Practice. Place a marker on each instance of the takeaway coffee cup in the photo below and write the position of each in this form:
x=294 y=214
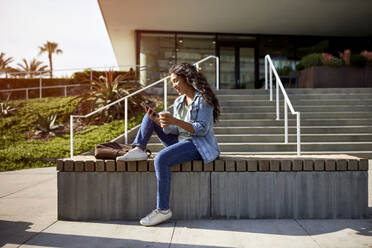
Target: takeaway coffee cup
x=162 y=114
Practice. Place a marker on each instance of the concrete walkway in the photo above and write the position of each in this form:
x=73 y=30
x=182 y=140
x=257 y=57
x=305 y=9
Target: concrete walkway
x=28 y=218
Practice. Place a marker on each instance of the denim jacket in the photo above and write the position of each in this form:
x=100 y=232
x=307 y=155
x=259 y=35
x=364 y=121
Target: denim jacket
x=200 y=115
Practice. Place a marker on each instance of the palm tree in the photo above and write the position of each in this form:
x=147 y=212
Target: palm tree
x=4 y=62
x=32 y=68
x=50 y=48
x=14 y=73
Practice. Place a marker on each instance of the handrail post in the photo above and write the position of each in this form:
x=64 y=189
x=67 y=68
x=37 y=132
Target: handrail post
x=71 y=136
x=197 y=66
x=277 y=99
x=165 y=94
x=285 y=122
x=298 y=135
x=266 y=73
x=126 y=120
x=65 y=90
x=40 y=86
x=271 y=83
x=218 y=73
x=26 y=93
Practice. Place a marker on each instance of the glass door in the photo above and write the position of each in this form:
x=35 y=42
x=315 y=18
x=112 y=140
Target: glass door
x=237 y=66
x=227 y=68
x=246 y=68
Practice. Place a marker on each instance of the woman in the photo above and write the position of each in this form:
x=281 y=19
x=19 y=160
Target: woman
x=187 y=135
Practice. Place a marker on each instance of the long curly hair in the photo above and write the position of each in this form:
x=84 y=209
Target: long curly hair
x=198 y=81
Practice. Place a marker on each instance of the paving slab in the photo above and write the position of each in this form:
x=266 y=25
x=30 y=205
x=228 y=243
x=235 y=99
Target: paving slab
x=14 y=181
x=15 y=230
x=240 y=233
x=340 y=233
x=103 y=234
x=28 y=204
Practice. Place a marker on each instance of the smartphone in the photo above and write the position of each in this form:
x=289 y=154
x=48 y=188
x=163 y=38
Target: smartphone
x=152 y=112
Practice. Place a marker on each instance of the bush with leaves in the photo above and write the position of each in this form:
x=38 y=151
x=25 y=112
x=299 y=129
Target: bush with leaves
x=299 y=66
x=314 y=59
x=46 y=124
x=357 y=60
x=6 y=108
x=108 y=89
x=285 y=71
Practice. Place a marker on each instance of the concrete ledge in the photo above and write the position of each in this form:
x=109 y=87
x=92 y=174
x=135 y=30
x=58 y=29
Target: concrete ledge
x=196 y=195
x=230 y=187
x=223 y=164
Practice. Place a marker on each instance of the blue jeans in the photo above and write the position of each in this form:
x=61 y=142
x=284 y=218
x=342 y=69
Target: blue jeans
x=174 y=153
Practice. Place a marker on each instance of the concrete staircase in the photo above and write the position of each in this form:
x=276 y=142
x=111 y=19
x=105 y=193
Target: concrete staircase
x=333 y=121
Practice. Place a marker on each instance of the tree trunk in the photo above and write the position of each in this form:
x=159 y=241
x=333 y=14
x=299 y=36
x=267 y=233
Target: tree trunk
x=50 y=65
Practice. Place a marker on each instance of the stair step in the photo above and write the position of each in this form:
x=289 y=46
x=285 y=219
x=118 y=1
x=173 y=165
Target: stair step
x=304 y=115
x=244 y=138
x=360 y=154
x=293 y=130
x=297 y=103
x=277 y=147
x=294 y=91
x=265 y=109
x=292 y=122
x=296 y=96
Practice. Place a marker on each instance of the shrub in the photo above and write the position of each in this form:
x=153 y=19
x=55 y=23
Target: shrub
x=84 y=76
x=46 y=124
x=285 y=71
x=105 y=90
x=6 y=108
x=335 y=62
x=314 y=59
x=358 y=60
x=345 y=56
x=299 y=67
x=367 y=55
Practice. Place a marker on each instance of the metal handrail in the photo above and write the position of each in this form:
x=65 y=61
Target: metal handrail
x=287 y=102
x=125 y=98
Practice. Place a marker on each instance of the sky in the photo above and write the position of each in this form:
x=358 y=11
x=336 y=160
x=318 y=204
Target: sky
x=76 y=25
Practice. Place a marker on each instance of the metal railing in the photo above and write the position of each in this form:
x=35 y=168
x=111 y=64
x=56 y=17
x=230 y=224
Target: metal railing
x=125 y=99
x=44 y=73
x=44 y=87
x=287 y=102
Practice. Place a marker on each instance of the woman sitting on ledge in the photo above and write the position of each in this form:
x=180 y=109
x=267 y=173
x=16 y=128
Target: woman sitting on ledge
x=187 y=135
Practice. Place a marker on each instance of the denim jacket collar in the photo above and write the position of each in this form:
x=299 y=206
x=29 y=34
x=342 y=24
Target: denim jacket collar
x=181 y=99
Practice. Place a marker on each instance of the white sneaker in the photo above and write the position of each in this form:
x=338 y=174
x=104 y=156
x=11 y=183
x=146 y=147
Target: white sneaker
x=135 y=154
x=155 y=217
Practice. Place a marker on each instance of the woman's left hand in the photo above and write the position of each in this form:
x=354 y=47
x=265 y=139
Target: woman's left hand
x=166 y=119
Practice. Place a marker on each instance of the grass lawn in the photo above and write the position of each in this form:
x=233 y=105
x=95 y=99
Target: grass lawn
x=19 y=151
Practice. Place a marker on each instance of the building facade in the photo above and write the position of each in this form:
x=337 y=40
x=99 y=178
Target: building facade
x=157 y=34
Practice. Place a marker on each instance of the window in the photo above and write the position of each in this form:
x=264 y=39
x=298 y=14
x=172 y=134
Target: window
x=192 y=48
x=157 y=54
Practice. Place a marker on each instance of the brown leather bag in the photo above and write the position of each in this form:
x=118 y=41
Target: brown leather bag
x=111 y=150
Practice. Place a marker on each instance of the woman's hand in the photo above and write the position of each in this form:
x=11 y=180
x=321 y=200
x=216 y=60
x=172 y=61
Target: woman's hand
x=152 y=114
x=166 y=119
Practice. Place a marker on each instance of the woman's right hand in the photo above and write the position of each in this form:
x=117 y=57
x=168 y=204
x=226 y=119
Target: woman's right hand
x=152 y=114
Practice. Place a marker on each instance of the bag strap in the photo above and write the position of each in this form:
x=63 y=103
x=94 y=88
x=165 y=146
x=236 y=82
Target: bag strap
x=148 y=151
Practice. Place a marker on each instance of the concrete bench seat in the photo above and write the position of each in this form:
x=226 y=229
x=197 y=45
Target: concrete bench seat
x=271 y=186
